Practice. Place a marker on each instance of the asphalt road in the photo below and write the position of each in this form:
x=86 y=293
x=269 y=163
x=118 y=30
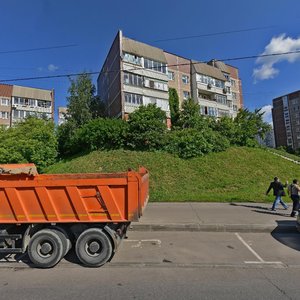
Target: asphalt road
x=170 y=265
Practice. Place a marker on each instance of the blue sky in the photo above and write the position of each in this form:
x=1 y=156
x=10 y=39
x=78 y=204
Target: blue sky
x=91 y=25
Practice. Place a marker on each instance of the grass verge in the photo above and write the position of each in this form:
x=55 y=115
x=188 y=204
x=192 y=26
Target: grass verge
x=238 y=174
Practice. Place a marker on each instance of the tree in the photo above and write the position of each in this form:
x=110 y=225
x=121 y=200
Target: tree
x=189 y=114
x=146 y=128
x=227 y=128
x=249 y=125
x=82 y=103
x=102 y=134
x=32 y=140
x=174 y=106
x=82 y=107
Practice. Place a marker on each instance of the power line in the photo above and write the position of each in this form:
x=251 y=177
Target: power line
x=213 y=34
x=38 y=49
x=139 y=68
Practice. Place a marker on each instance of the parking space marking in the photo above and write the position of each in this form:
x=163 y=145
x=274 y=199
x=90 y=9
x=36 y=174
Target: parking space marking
x=260 y=259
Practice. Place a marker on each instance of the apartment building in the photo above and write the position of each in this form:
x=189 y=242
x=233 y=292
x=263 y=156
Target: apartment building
x=217 y=88
x=5 y=104
x=62 y=112
x=286 y=120
x=17 y=102
x=179 y=72
x=135 y=74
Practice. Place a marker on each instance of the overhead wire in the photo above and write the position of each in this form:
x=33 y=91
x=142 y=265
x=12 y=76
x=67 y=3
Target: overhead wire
x=38 y=49
x=213 y=34
x=139 y=68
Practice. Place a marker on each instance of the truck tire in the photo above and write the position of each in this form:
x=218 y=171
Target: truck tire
x=67 y=245
x=45 y=248
x=93 y=247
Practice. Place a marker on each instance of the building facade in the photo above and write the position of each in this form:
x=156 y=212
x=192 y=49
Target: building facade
x=286 y=120
x=179 y=75
x=217 y=88
x=18 y=102
x=62 y=113
x=135 y=74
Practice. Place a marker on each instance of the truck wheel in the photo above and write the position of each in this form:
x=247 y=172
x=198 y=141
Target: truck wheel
x=67 y=245
x=93 y=247
x=45 y=248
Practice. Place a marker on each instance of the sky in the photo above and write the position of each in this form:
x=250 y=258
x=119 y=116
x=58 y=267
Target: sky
x=78 y=35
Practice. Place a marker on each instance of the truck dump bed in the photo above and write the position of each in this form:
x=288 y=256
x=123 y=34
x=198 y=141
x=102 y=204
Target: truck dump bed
x=28 y=197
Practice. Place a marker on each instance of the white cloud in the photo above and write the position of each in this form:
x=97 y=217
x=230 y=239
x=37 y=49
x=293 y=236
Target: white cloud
x=267 y=117
x=52 y=68
x=279 y=44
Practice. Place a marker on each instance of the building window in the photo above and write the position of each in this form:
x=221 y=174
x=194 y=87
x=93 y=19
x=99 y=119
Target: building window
x=4 y=102
x=133 y=59
x=219 y=83
x=157 y=85
x=134 y=99
x=186 y=95
x=209 y=80
x=212 y=111
x=155 y=65
x=171 y=75
x=227 y=77
x=233 y=83
x=42 y=103
x=208 y=111
x=234 y=107
x=4 y=115
x=221 y=99
x=30 y=102
x=185 y=79
x=202 y=78
x=234 y=96
x=161 y=103
x=133 y=79
x=223 y=113
x=228 y=91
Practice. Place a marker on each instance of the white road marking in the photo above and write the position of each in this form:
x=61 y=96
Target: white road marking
x=260 y=260
x=140 y=242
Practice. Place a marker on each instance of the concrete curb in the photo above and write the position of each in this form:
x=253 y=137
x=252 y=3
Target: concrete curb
x=252 y=228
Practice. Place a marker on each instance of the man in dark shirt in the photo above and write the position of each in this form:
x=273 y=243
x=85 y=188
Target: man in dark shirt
x=278 y=192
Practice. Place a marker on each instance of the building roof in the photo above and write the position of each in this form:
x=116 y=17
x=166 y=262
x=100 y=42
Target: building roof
x=144 y=50
x=220 y=65
x=32 y=93
x=205 y=69
x=6 y=90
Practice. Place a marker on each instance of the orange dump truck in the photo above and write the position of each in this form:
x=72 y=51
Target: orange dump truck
x=46 y=215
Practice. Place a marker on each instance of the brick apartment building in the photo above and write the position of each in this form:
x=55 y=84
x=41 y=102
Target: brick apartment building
x=135 y=74
x=17 y=102
x=286 y=120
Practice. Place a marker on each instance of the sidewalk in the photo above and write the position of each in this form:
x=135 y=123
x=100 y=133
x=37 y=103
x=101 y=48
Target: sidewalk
x=231 y=217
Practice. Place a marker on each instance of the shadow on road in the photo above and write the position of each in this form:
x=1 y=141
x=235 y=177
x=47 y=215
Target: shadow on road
x=273 y=213
x=289 y=237
x=264 y=210
x=250 y=206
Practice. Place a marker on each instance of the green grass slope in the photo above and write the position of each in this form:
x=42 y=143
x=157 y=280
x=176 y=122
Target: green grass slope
x=238 y=174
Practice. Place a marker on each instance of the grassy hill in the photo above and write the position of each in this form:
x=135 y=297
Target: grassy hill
x=239 y=174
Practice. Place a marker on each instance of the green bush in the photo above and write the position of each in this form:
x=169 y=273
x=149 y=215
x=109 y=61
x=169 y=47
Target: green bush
x=67 y=138
x=102 y=134
x=190 y=142
x=146 y=128
x=31 y=141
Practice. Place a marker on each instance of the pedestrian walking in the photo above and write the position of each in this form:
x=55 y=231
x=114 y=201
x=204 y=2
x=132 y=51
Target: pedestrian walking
x=294 y=192
x=278 y=192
